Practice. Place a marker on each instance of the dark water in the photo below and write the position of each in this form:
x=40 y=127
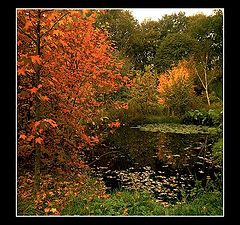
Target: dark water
x=165 y=164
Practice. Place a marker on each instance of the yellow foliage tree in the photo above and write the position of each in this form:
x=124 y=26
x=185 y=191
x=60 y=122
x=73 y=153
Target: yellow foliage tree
x=175 y=88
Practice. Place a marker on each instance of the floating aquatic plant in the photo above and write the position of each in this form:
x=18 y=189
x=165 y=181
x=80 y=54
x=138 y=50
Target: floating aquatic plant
x=178 y=128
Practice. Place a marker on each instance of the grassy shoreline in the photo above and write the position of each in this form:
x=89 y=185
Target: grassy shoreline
x=136 y=203
x=88 y=196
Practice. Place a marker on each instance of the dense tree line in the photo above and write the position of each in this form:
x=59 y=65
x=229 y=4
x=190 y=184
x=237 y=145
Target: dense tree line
x=163 y=43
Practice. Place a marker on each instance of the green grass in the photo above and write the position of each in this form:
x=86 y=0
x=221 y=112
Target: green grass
x=207 y=204
x=26 y=207
x=143 y=204
x=119 y=203
x=218 y=151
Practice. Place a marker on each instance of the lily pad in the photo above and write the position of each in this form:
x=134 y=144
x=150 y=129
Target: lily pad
x=178 y=128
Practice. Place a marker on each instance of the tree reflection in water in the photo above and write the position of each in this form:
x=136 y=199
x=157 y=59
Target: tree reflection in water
x=161 y=163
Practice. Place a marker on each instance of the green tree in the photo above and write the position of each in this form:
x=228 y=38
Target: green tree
x=150 y=36
x=208 y=54
x=174 y=23
x=121 y=26
x=143 y=92
x=145 y=42
x=174 y=47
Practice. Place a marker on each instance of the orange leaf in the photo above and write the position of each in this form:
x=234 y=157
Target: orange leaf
x=21 y=71
x=45 y=98
x=52 y=122
x=40 y=130
x=19 y=43
x=23 y=136
x=39 y=140
x=63 y=43
x=66 y=110
x=46 y=210
x=36 y=124
x=33 y=90
x=36 y=58
x=30 y=137
x=57 y=32
x=114 y=124
x=50 y=82
x=27 y=25
x=85 y=138
x=125 y=105
x=95 y=139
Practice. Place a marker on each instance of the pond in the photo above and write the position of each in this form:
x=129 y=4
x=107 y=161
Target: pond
x=165 y=164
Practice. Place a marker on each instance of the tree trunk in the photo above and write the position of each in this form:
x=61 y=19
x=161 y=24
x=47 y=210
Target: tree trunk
x=37 y=146
x=207 y=95
x=37 y=170
x=205 y=82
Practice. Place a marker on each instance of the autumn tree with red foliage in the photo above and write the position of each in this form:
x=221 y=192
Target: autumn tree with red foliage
x=66 y=76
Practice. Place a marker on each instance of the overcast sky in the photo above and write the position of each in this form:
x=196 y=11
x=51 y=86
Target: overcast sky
x=156 y=13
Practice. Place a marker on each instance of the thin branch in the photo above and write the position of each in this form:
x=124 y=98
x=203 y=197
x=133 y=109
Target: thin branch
x=212 y=78
x=101 y=157
x=54 y=25
x=27 y=34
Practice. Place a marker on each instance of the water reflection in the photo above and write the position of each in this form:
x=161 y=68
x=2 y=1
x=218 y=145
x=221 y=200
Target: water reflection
x=164 y=164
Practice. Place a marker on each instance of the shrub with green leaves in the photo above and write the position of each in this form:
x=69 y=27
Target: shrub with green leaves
x=212 y=117
x=218 y=151
x=127 y=203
